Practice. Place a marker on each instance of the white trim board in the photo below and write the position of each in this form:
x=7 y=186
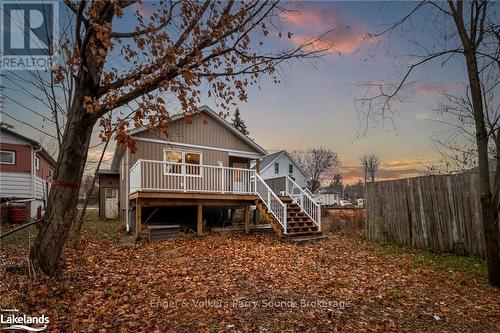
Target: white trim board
x=231 y=152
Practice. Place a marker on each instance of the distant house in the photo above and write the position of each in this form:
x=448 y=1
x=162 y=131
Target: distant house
x=26 y=170
x=274 y=167
x=327 y=196
x=197 y=176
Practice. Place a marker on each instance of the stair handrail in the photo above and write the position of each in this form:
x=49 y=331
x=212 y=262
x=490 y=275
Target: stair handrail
x=270 y=197
x=306 y=203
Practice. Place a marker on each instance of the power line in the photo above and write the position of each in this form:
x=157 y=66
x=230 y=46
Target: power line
x=29 y=109
x=27 y=124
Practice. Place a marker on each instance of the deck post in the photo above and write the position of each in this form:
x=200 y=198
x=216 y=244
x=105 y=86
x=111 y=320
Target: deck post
x=247 y=219
x=138 y=221
x=199 y=224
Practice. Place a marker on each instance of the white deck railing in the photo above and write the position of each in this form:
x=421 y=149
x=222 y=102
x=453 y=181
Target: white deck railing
x=272 y=201
x=149 y=175
x=308 y=205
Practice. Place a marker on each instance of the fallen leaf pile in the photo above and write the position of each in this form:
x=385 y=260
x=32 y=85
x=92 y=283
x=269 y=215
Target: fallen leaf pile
x=250 y=283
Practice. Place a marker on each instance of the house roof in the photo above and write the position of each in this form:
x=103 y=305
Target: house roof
x=269 y=159
x=328 y=190
x=210 y=112
x=35 y=144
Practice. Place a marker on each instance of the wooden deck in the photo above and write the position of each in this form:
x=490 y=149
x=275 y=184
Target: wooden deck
x=166 y=198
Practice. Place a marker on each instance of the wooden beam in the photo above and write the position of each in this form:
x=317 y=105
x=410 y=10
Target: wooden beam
x=257 y=166
x=189 y=202
x=138 y=220
x=247 y=219
x=199 y=224
x=194 y=196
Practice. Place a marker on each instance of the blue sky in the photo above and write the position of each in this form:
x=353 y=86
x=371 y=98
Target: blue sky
x=314 y=105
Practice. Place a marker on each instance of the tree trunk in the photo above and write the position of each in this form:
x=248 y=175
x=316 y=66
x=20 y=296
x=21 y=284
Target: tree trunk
x=489 y=210
x=63 y=197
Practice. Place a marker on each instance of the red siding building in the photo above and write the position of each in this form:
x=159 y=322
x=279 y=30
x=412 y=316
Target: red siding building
x=26 y=170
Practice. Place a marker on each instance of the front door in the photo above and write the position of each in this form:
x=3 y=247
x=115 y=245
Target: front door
x=240 y=180
x=239 y=184
x=111 y=203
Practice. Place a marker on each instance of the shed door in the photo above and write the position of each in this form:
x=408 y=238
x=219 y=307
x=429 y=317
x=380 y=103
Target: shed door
x=111 y=203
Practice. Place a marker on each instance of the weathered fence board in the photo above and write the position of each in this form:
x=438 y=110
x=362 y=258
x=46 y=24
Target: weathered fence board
x=440 y=213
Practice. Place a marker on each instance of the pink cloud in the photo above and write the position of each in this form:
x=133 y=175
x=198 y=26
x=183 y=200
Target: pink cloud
x=143 y=9
x=312 y=22
x=312 y=19
x=436 y=88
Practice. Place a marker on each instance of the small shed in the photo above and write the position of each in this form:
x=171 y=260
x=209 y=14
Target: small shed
x=109 y=184
x=327 y=196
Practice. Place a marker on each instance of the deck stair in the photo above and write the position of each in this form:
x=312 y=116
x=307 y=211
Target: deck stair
x=294 y=215
x=300 y=227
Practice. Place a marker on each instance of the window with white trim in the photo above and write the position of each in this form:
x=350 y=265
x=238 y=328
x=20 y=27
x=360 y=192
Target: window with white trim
x=180 y=162
x=7 y=157
x=51 y=173
x=290 y=169
x=37 y=163
x=276 y=168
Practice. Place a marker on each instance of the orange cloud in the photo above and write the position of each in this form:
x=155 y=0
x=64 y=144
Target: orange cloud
x=436 y=88
x=395 y=169
x=332 y=42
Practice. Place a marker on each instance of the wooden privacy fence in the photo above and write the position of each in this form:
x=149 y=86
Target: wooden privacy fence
x=441 y=213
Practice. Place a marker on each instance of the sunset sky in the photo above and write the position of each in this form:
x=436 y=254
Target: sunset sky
x=314 y=105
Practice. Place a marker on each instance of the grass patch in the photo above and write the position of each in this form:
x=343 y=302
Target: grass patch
x=469 y=267
x=95 y=228
x=395 y=294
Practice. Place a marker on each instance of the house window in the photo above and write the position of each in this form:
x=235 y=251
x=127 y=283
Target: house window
x=176 y=159
x=193 y=163
x=290 y=168
x=110 y=193
x=37 y=163
x=7 y=157
x=172 y=156
x=276 y=168
x=51 y=173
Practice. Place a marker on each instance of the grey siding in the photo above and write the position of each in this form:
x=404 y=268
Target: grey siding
x=204 y=130
x=284 y=161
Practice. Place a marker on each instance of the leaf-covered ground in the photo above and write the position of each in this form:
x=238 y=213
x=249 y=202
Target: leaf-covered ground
x=258 y=284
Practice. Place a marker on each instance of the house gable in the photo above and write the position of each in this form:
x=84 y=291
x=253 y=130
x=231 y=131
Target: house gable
x=284 y=160
x=207 y=129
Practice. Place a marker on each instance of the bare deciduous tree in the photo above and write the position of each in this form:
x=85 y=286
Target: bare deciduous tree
x=181 y=49
x=317 y=163
x=469 y=30
x=370 y=164
x=456 y=144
